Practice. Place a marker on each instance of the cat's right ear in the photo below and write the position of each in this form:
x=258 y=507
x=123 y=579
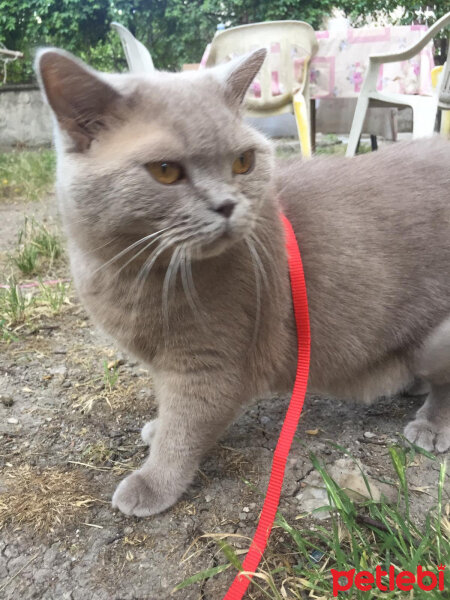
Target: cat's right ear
x=81 y=101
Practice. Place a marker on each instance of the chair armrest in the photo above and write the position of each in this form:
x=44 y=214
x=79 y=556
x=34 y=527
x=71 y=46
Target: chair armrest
x=413 y=50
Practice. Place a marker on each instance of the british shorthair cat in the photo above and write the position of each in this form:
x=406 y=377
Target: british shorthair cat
x=171 y=205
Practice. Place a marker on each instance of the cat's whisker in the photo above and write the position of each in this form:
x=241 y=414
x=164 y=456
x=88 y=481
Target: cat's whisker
x=169 y=281
x=151 y=260
x=259 y=262
x=88 y=252
x=188 y=285
x=255 y=238
x=156 y=239
x=129 y=248
x=255 y=263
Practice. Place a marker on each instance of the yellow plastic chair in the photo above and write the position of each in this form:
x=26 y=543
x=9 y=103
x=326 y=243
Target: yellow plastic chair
x=282 y=84
x=424 y=107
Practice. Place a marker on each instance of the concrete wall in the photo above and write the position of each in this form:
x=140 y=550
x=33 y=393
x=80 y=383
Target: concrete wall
x=24 y=118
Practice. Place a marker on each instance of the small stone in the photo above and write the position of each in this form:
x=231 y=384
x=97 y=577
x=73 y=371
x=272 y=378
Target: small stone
x=246 y=509
x=369 y=435
x=243 y=516
x=67 y=384
x=128 y=530
x=7 y=400
x=12 y=420
x=208 y=498
x=252 y=505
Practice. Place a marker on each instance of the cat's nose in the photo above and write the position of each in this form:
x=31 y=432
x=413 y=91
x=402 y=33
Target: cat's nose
x=225 y=209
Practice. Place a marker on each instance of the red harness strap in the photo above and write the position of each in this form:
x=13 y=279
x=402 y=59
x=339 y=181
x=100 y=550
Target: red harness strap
x=270 y=507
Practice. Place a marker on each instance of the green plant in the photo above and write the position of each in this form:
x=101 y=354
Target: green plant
x=358 y=536
x=26 y=174
x=35 y=242
x=13 y=304
x=110 y=375
x=54 y=295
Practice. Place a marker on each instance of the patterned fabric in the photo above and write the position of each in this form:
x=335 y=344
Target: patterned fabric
x=339 y=67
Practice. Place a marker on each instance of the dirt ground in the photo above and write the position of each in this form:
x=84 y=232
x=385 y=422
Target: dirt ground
x=68 y=434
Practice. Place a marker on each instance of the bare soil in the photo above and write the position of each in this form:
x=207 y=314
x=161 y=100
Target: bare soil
x=67 y=437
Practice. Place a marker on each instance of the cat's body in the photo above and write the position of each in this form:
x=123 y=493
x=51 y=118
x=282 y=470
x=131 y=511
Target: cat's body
x=213 y=315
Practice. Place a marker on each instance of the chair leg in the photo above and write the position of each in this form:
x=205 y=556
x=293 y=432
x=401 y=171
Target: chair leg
x=302 y=119
x=358 y=120
x=445 y=123
x=423 y=123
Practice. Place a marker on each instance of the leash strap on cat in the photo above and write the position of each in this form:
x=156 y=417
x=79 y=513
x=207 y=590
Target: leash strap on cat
x=270 y=506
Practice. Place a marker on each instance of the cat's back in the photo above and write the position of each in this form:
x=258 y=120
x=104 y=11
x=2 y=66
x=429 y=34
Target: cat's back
x=400 y=193
x=393 y=178
x=374 y=234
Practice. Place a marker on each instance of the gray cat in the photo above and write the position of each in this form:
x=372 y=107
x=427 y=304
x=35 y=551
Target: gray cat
x=171 y=207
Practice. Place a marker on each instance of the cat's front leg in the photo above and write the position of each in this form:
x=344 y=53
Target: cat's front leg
x=193 y=412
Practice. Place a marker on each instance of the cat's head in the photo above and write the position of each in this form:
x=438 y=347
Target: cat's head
x=164 y=151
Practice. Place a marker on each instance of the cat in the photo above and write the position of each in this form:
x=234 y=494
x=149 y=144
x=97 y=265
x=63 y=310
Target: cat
x=171 y=205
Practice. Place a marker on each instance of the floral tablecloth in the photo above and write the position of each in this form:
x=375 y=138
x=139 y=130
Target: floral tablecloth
x=338 y=69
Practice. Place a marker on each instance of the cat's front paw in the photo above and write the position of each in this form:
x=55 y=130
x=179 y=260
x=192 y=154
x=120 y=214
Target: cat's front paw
x=430 y=436
x=135 y=496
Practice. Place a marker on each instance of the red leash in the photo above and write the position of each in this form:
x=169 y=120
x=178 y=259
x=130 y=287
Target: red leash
x=270 y=507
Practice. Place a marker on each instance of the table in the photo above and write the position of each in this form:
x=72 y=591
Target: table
x=338 y=69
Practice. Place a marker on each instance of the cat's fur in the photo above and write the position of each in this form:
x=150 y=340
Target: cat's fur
x=374 y=234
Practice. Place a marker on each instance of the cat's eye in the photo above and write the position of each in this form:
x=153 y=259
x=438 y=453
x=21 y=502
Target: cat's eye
x=244 y=162
x=165 y=172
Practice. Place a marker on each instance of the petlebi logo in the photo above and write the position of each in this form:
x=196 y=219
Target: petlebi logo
x=388 y=581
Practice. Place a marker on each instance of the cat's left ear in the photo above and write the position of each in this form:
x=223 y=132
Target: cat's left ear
x=238 y=74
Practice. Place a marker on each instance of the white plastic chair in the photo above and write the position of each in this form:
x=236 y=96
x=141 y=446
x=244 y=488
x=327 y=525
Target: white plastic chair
x=444 y=98
x=138 y=57
x=282 y=85
x=424 y=107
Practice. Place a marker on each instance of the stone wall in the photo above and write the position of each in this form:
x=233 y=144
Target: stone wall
x=24 y=117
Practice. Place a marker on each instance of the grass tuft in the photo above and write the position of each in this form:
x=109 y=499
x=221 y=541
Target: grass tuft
x=37 y=248
x=26 y=174
x=357 y=536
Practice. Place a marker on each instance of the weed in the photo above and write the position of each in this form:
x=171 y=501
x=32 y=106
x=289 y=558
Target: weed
x=358 y=537
x=110 y=375
x=27 y=175
x=54 y=296
x=14 y=304
x=36 y=247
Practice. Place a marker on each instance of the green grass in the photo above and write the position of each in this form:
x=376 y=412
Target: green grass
x=357 y=536
x=26 y=174
x=19 y=307
x=110 y=375
x=37 y=248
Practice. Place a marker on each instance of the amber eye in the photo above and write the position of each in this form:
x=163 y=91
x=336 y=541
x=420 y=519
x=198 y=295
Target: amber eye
x=165 y=172
x=244 y=162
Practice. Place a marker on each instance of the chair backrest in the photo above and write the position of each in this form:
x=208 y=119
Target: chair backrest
x=290 y=46
x=138 y=57
x=444 y=91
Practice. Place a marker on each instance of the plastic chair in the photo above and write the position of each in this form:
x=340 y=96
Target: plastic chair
x=282 y=85
x=444 y=98
x=424 y=107
x=138 y=57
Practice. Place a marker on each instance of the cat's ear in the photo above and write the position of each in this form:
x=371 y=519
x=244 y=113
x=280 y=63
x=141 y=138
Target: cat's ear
x=81 y=101
x=238 y=74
